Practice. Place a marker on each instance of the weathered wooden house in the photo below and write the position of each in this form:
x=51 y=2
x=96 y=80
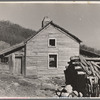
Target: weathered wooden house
x=46 y=53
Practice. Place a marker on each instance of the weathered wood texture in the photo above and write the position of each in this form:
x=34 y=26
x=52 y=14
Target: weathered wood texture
x=37 y=51
x=11 y=63
x=17 y=63
x=18 y=66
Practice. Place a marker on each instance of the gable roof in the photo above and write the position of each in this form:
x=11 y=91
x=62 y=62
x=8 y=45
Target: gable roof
x=68 y=33
x=12 y=49
x=57 y=26
x=22 y=44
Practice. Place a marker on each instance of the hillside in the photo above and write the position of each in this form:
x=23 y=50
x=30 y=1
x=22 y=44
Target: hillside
x=4 y=45
x=85 y=47
x=13 y=33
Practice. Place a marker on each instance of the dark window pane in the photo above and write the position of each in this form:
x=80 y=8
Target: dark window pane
x=52 y=60
x=4 y=60
x=52 y=42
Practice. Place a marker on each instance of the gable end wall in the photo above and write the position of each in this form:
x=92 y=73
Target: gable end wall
x=37 y=51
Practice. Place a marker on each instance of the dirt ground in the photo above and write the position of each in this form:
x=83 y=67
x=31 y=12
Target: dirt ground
x=33 y=86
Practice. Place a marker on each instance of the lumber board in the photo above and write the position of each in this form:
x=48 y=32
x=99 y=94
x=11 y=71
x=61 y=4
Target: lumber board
x=86 y=69
x=78 y=67
x=93 y=59
x=80 y=73
x=92 y=68
x=95 y=64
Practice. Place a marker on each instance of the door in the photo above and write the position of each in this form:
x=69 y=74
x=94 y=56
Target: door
x=18 y=66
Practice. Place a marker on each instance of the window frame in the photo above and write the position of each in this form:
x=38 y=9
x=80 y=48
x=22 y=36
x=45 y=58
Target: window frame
x=4 y=60
x=56 y=61
x=49 y=43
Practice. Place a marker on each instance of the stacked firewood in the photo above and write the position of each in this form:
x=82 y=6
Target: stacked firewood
x=89 y=68
x=91 y=71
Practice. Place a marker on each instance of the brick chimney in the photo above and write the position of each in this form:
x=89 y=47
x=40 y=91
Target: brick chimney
x=45 y=21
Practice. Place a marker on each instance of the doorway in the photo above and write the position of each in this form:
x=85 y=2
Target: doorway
x=18 y=66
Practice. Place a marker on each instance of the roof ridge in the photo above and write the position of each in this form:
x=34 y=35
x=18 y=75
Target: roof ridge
x=12 y=47
x=76 y=38
x=52 y=23
x=37 y=32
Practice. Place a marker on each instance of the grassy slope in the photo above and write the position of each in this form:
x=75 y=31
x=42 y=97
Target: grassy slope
x=13 y=33
x=17 y=86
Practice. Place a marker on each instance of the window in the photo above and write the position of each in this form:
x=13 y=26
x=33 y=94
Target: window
x=52 y=60
x=4 y=59
x=52 y=42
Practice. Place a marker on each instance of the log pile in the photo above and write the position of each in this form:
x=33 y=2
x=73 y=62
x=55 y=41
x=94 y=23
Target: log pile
x=90 y=70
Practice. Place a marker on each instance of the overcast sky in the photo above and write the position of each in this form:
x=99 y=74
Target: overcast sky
x=82 y=20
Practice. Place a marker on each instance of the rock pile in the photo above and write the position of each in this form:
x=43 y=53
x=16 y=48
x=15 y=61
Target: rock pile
x=68 y=91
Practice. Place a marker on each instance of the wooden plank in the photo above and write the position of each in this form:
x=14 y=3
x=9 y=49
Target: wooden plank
x=18 y=66
x=86 y=69
x=80 y=73
x=95 y=64
x=23 y=65
x=75 y=63
x=97 y=71
x=92 y=68
x=78 y=67
x=75 y=58
x=92 y=59
x=12 y=63
x=87 y=66
x=83 y=61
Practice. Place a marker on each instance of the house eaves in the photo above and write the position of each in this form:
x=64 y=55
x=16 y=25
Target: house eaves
x=57 y=26
x=12 y=49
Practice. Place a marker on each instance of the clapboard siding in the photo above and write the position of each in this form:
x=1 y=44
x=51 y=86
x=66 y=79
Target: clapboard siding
x=37 y=51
